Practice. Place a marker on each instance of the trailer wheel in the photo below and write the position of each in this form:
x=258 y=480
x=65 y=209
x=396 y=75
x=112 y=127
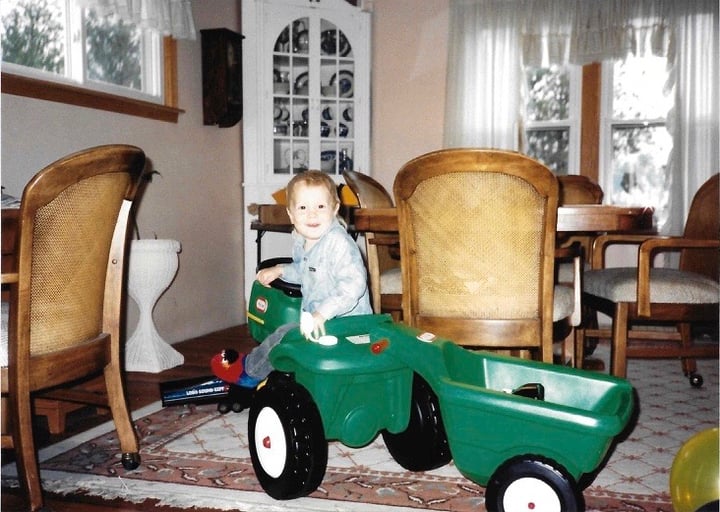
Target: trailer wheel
x=287 y=441
x=423 y=445
x=536 y=484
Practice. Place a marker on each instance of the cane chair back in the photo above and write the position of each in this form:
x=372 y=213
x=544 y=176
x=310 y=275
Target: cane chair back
x=477 y=240
x=574 y=190
x=703 y=223
x=66 y=296
x=382 y=249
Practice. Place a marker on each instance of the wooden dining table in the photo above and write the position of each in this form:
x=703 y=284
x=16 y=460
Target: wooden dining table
x=574 y=219
x=590 y=218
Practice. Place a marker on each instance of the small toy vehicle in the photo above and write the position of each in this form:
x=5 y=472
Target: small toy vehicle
x=525 y=430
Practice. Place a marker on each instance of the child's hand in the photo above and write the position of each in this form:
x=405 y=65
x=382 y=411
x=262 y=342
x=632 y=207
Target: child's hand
x=312 y=325
x=268 y=275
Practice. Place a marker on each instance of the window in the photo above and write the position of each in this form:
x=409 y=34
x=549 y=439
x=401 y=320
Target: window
x=632 y=136
x=551 y=116
x=67 y=48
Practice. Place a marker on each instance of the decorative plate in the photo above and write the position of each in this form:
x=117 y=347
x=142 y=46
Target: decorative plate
x=344 y=83
x=301 y=82
x=329 y=45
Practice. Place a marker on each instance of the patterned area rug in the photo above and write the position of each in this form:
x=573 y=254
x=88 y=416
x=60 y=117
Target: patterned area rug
x=194 y=456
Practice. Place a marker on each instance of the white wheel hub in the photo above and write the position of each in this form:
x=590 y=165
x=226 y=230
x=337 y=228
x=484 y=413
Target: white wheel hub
x=270 y=443
x=531 y=494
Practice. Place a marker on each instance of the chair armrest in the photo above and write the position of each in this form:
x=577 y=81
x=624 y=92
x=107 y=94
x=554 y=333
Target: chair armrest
x=568 y=252
x=385 y=240
x=9 y=277
x=647 y=251
x=602 y=242
x=392 y=242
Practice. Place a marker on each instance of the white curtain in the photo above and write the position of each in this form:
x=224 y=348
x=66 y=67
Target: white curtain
x=490 y=40
x=545 y=33
x=612 y=29
x=695 y=121
x=483 y=93
x=168 y=17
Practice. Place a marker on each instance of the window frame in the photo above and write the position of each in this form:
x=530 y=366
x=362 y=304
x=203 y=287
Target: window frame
x=608 y=122
x=572 y=123
x=593 y=151
x=590 y=121
x=168 y=111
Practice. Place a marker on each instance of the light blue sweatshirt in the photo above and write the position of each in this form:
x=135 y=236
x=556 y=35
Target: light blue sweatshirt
x=331 y=274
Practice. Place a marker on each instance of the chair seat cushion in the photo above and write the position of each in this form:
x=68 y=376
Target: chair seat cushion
x=566 y=271
x=667 y=285
x=391 y=281
x=563 y=302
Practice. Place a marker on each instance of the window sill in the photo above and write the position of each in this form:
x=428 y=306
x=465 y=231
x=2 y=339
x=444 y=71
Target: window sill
x=51 y=91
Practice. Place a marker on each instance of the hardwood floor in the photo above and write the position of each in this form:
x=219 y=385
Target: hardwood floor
x=142 y=389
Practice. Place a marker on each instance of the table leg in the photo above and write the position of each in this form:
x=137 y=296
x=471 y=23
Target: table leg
x=258 y=244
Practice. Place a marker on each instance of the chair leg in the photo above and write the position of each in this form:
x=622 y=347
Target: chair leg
x=579 y=355
x=689 y=364
x=396 y=315
x=590 y=320
x=618 y=349
x=24 y=444
x=121 y=417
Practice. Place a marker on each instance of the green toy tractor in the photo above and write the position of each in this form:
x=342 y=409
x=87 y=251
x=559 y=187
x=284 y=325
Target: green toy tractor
x=530 y=432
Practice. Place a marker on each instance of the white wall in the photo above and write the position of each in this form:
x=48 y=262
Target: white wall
x=409 y=62
x=197 y=200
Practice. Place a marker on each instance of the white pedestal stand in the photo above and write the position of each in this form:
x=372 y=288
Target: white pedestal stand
x=152 y=267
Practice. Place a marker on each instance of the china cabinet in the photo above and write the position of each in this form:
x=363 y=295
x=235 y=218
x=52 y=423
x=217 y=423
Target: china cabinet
x=306 y=97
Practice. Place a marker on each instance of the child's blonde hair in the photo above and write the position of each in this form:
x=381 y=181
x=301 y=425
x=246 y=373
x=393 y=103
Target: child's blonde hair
x=312 y=178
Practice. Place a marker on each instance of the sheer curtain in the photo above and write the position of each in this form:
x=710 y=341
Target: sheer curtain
x=695 y=121
x=169 y=17
x=612 y=29
x=490 y=40
x=483 y=92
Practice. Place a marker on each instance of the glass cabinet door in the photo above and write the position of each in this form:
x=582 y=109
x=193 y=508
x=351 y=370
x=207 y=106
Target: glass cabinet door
x=313 y=98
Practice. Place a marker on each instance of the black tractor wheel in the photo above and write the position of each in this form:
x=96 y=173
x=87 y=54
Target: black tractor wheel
x=288 y=448
x=529 y=483
x=423 y=445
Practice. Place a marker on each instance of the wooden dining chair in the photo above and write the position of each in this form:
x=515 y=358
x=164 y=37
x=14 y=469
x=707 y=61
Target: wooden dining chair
x=640 y=297
x=477 y=244
x=63 y=322
x=579 y=189
x=574 y=190
x=382 y=249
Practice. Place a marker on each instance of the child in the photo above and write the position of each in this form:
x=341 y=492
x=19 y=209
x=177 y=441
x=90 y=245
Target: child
x=326 y=262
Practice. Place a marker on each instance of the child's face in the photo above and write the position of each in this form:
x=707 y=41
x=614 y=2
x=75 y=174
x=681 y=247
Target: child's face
x=312 y=211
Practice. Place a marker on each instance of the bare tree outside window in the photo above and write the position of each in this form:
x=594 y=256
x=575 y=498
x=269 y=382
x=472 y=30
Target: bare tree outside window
x=32 y=36
x=641 y=144
x=547 y=110
x=548 y=93
x=634 y=140
x=113 y=51
x=56 y=40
